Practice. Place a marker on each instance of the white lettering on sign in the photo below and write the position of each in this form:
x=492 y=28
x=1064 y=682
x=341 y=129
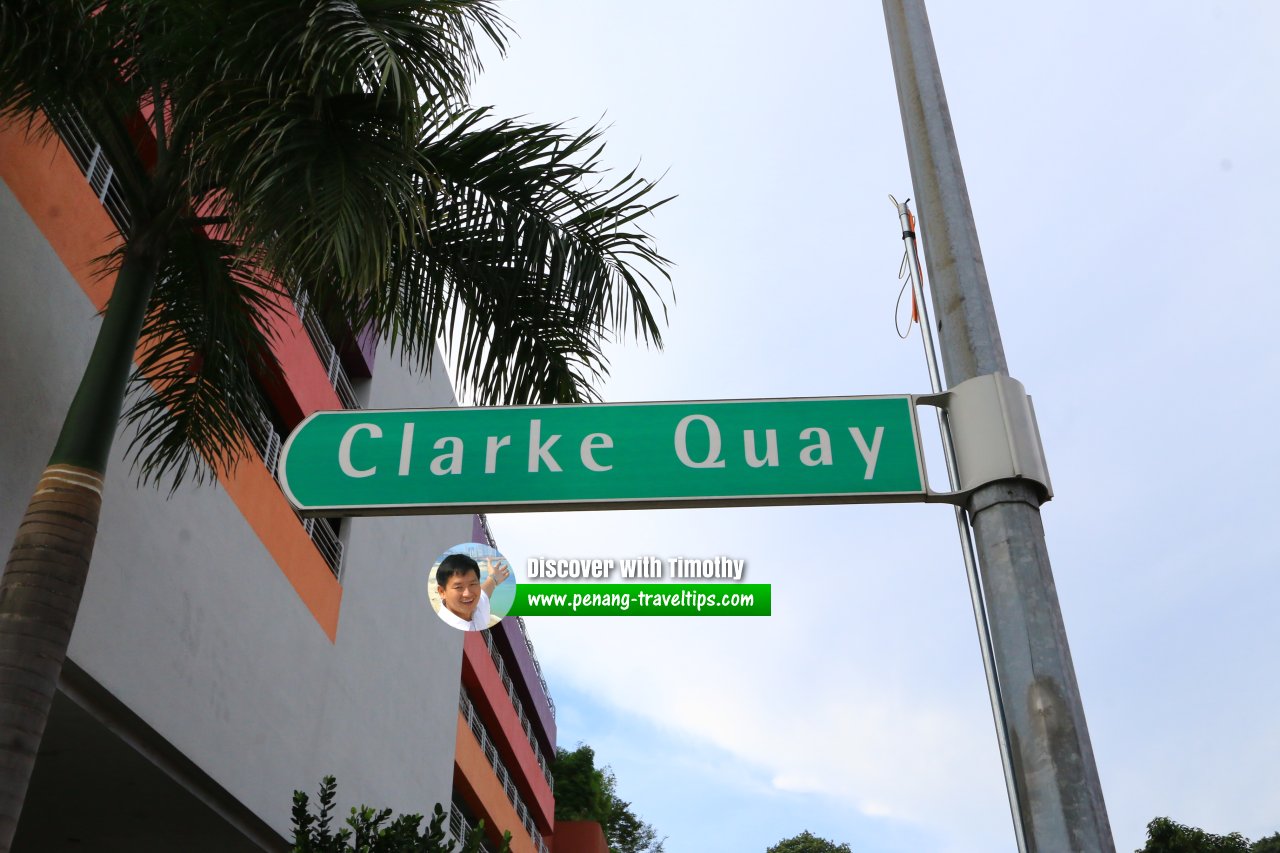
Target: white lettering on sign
x=539 y=567
x=713 y=437
x=816 y=454
x=812 y=448
x=770 y=448
x=344 y=450
x=491 y=452
x=869 y=454
x=593 y=442
x=540 y=451
x=406 y=449
x=453 y=457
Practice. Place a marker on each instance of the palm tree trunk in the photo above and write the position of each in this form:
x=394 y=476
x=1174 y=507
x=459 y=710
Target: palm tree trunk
x=48 y=565
x=39 y=596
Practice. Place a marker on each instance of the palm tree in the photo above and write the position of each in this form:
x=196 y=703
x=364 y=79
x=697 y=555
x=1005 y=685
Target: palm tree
x=309 y=148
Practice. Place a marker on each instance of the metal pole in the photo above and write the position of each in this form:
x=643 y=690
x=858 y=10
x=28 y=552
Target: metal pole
x=1059 y=793
x=962 y=527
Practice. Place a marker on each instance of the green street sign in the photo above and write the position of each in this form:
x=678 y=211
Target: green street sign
x=608 y=456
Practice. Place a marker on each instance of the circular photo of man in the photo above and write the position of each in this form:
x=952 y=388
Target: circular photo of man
x=471 y=586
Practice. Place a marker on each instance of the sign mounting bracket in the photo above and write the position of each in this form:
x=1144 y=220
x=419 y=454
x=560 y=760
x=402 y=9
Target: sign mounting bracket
x=993 y=427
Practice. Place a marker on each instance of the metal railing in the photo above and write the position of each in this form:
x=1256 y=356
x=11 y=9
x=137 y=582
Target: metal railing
x=89 y=156
x=460 y=828
x=490 y=751
x=524 y=630
x=537 y=667
x=519 y=708
x=326 y=541
x=488 y=532
x=327 y=352
x=264 y=438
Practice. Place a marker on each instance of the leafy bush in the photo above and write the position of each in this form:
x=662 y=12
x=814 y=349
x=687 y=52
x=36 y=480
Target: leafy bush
x=370 y=831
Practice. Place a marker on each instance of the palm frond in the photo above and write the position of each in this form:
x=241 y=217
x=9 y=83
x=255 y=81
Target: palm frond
x=49 y=50
x=205 y=346
x=396 y=48
x=310 y=143
x=529 y=259
x=326 y=186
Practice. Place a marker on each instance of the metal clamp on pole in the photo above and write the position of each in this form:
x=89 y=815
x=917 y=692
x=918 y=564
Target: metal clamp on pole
x=993 y=427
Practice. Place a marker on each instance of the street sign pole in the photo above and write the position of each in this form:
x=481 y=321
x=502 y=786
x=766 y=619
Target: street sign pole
x=967 y=549
x=1060 y=796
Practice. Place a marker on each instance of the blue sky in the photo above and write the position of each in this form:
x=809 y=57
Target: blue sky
x=1121 y=165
